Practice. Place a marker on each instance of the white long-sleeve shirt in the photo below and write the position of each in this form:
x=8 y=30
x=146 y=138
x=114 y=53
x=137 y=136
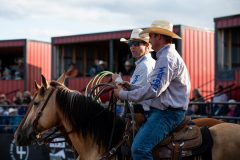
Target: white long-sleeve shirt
x=168 y=85
x=144 y=66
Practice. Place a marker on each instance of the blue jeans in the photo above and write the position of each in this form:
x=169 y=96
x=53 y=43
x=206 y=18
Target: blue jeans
x=158 y=125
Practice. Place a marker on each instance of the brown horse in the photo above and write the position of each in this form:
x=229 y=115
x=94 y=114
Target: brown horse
x=93 y=129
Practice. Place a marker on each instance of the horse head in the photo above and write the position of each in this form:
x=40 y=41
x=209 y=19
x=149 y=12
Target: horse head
x=41 y=115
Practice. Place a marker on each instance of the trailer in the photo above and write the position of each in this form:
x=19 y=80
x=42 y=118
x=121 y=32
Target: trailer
x=35 y=57
x=227 y=53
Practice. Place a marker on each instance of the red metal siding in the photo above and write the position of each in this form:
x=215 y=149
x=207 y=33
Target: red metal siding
x=10 y=87
x=38 y=61
x=198 y=54
x=78 y=84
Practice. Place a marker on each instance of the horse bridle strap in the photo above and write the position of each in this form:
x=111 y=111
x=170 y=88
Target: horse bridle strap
x=113 y=150
x=35 y=122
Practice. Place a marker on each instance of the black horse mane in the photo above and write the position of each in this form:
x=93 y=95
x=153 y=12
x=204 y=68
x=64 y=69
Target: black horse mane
x=88 y=117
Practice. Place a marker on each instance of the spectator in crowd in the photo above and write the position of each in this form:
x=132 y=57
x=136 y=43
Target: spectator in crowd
x=6 y=74
x=27 y=98
x=94 y=69
x=1 y=119
x=72 y=71
x=17 y=76
x=18 y=98
x=4 y=100
x=14 y=121
x=1 y=68
x=128 y=69
x=233 y=110
x=4 y=119
x=5 y=111
x=197 y=109
x=18 y=69
x=219 y=97
x=1 y=110
x=102 y=66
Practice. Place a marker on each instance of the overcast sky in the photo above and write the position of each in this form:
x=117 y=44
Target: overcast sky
x=43 y=19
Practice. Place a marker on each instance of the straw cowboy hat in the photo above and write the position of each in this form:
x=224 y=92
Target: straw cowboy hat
x=161 y=27
x=135 y=36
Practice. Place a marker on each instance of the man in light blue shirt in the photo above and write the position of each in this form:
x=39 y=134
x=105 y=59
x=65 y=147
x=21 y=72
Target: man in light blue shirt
x=140 y=49
x=167 y=91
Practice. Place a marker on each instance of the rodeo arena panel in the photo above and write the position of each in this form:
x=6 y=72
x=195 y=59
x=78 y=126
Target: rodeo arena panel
x=212 y=58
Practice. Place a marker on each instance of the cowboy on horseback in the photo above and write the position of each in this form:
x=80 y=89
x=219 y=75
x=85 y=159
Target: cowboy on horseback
x=140 y=49
x=167 y=91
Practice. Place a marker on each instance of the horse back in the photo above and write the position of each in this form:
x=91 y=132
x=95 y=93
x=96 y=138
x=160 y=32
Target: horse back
x=226 y=141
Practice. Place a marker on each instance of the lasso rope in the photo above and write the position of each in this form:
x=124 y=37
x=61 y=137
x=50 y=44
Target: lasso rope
x=95 y=83
x=97 y=88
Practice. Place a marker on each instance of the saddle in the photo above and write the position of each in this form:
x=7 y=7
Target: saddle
x=180 y=142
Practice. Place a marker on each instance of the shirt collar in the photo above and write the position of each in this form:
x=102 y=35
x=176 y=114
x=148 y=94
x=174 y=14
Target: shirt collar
x=142 y=58
x=168 y=46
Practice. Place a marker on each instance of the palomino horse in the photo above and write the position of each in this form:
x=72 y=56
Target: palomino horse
x=93 y=129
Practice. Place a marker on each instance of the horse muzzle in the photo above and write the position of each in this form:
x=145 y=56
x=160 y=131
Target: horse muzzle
x=24 y=137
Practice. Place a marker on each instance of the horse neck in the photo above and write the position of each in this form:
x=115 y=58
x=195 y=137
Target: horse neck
x=85 y=147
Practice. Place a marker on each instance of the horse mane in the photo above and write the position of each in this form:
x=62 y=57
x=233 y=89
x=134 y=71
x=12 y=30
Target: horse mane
x=88 y=117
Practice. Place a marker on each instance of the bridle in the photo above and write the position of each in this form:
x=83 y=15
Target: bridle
x=47 y=136
x=35 y=122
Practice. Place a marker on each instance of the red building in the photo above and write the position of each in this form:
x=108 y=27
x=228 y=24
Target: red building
x=227 y=44
x=196 y=48
x=35 y=57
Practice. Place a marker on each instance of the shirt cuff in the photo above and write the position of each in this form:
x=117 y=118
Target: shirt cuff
x=123 y=95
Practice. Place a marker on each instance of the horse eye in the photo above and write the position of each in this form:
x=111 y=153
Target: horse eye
x=35 y=103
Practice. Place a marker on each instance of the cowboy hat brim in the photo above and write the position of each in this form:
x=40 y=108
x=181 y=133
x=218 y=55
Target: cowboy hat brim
x=160 y=31
x=132 y=39
x=124 y=40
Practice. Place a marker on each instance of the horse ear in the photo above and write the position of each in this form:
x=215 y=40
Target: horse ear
x=36 y=85
x=44 y=82
x=61 y=79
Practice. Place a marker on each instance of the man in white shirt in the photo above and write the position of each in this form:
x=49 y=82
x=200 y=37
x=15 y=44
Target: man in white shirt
x=140 y=49
x=167 y=91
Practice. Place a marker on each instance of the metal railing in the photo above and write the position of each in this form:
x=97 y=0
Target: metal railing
x=210 y=107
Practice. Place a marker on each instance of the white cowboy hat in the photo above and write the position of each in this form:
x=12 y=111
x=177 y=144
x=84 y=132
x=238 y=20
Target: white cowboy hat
x=127 y=63
x=135 y=36
x=101 y=62
x=12 y=110
x=161 y=27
